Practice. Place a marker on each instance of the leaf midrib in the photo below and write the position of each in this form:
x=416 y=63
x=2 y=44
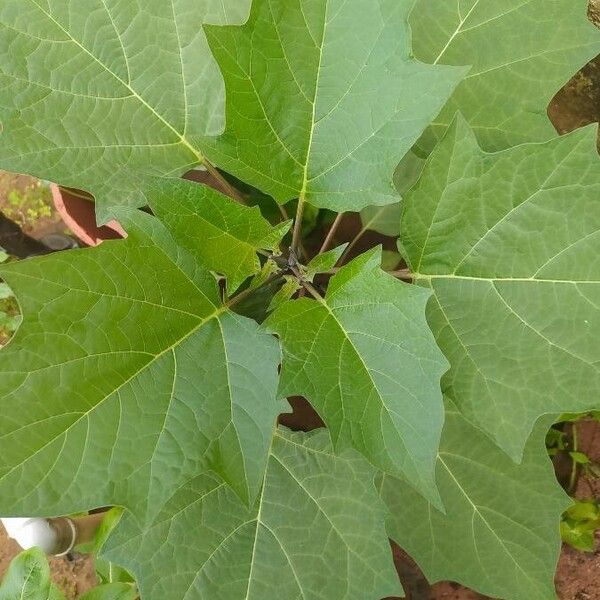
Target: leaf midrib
x=425 y=276
x=388 y=410
x=484 y=520
x=86 y=414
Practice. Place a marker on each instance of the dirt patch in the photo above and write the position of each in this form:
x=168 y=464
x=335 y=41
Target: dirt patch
x=578 y=103
x=578 y=574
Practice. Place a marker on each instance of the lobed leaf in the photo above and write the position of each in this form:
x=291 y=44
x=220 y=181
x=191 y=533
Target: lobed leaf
x=316 y=531
x=223 y=235
x=94 y=94
x=509 y=245
x=499 y=534
x=366 y=360
x=324 y=99
x=521 y=52
x=126 y=377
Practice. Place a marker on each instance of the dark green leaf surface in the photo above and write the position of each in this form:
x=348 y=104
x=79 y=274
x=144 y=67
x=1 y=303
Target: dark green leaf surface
x=386 y=219
x=366 y=360
x=95 y=93
x=284 y=293
x=509 y=244
x=500 y=534
x=28 y=578
x=126 y=377
x=383 y=219
x=324 y=262
x=324 y=99
x=521 y=53
x=223 y=235
x=317 y=531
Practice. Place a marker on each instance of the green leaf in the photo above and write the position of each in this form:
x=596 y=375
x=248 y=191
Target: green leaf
x=499 y=535
x=382 y=219
x=578 y=535
x=112 y=591
x=521 y=53
x=583 y=511
x=284 y=293
x=324 y=99
x=579 y=524
x=324 y=262
x=386 y=219
x=317 y=531
x=95 y=94
x=28 y=578
x=229 y=234
x=509 y=244
x=579 y=457
x=390 y=259
x=5 y=291
x=366 y=360
x=126 y=377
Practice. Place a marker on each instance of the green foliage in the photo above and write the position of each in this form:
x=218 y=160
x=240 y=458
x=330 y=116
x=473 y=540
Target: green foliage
x=138 y=79
x=508 y=245
x=207 y=544
x=323 y=99
x=146 y=373
x=231 y=233
x=499 y=531
x=28 y=578
x=520 y=54
x=579 y=524
x=29 y=205
x=112 y=591
x=211 y=374
x=366 y=361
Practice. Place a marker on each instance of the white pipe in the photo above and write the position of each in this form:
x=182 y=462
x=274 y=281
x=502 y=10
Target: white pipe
x=46 y=534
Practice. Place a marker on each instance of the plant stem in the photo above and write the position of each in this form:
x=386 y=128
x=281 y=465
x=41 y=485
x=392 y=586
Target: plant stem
x=283 y=212
x=331 y=232
x=296 y=235
x=249 y=291
x=572 y=479
x=235 y=194
x=351 y=245
x=402 y=274
x=312 y=291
